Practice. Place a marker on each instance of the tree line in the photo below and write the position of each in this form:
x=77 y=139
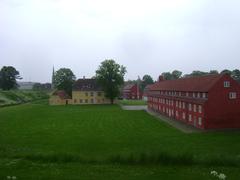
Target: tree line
x=109 y=75
x=176 y=74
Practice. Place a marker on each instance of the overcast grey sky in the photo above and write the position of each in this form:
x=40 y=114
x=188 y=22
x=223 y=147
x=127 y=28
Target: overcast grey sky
x=146 y=36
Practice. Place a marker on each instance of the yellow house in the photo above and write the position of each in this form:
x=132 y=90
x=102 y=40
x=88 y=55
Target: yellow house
x=59 y=98
x=85 y=91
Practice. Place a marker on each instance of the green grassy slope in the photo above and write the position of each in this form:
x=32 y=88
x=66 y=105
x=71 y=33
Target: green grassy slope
x=65 y=142
x=20 y=96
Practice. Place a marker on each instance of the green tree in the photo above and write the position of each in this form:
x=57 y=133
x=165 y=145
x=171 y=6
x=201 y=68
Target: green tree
x=176 y=74
x=110 y=76
x=236 y=74
x=146 y=80
x=8 y=78
x=167 y=75
x=226 y=71
x=64 y=79
x=213 y=72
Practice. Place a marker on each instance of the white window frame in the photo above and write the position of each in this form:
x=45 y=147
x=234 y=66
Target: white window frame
x=194 y=108
x=232 y=95
x=199 y=121
x=226 y=84
x=200 y=108
x=190 y=118
x=198 y=95
x=183 y=105
x=190 y=107
x=184 y=115
x=204 y=95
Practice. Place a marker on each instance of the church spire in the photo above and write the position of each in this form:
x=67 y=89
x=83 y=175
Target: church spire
x=53 y=79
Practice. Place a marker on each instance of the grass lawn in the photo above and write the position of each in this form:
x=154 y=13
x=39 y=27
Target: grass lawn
x=132 y=102
x=38 y=141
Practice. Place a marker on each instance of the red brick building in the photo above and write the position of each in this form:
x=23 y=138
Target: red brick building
x=207 y=102
x=132 y=91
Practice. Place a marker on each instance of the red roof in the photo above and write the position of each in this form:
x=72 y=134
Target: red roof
x=62 y=94
x=129 y=86
x=86 y=85
x=195 y=84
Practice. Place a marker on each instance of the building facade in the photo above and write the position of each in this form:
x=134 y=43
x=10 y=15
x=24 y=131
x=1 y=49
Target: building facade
x=85 y=91
x=132 y=91
x=59 y=98
x=207 y=102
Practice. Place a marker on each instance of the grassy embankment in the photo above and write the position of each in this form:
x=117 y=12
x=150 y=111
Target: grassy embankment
x=14 y=97
x=38 y=141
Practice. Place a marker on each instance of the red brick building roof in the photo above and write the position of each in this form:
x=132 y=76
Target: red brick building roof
x=129 y=86
x=86 y=85
x=194 y=84
x=62 y=94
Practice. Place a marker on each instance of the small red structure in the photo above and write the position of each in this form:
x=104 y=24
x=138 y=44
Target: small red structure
x=132 y=91
x=145 y=92
x=206 y=102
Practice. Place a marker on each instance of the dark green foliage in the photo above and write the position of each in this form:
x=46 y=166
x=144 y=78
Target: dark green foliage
x=110 y=76
x=196 y=74
x=176 y=74
x=64 y=79
x=8 y=78
x=171 y=76
x=236 y=74
x=226 y=71
x=146 y=80
x=213 y=72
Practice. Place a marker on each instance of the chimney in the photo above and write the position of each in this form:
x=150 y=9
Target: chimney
x=160 y=78
x=84 y=77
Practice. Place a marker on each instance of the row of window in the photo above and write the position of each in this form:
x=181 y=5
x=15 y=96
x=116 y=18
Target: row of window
x=185 y=94
x=86 y=101
x=92 y=93
x=170 y=113
x=178 y=104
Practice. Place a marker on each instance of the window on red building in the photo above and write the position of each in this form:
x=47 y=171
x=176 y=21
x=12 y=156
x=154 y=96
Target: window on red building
x=190 y=107
x=226 y=84
x=195 y=108
x=189 y=117
x=183 y=104
x=184 y=115
x=200 y=109
x=232 y=95
x=199 y=121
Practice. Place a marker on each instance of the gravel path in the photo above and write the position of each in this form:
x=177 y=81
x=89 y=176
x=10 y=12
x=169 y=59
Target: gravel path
x=134 y=108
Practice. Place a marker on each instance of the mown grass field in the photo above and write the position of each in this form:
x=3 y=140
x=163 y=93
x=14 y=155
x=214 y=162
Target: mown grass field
x=132 y=102
x=38 y=141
